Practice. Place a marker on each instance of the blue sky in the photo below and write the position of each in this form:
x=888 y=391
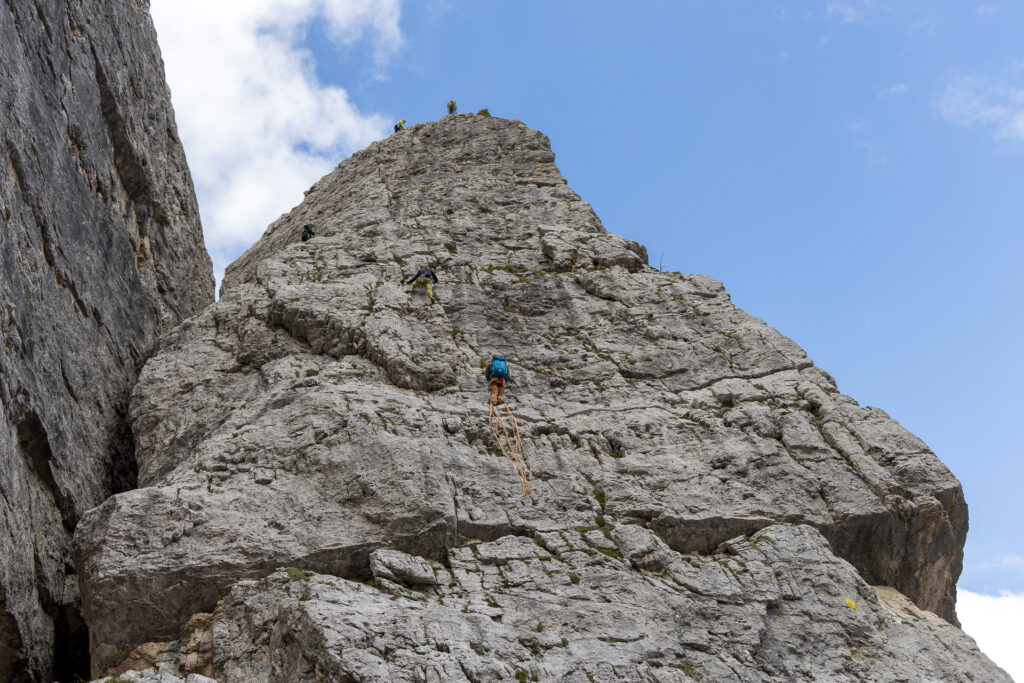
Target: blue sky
x=851 y=170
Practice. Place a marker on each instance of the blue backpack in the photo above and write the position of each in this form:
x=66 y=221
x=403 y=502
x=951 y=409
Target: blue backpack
x=499 y=368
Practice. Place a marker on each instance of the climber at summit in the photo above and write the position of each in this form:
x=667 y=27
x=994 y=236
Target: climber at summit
x=424 y=276
x=400 y=125
x=497 y=375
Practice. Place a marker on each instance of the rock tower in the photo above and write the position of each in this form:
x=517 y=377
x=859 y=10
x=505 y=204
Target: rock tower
x=320 y=495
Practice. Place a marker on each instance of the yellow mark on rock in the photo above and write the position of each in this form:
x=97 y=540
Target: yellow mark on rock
x=851 y=604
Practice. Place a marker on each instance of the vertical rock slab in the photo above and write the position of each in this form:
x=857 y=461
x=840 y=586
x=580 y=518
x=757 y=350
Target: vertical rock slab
x=101 y=250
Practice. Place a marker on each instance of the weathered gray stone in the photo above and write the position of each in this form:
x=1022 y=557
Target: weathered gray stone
x=645 y=399
x=152 y=676
x=398 y=566
x=100 y=251
x=777 y=606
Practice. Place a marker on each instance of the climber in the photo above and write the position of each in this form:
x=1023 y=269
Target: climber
x=424 y=276
x=307 y=231
x=452 y=107
x=400 y=125
x=497 y=375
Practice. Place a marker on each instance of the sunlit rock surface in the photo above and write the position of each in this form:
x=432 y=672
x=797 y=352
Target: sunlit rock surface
x=714 y=495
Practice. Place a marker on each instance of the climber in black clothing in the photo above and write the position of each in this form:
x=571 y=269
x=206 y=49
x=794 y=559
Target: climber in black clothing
x=307 y=231
x=424 y=276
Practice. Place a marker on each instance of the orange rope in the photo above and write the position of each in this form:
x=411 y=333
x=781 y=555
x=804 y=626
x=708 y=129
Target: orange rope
x=514 y=452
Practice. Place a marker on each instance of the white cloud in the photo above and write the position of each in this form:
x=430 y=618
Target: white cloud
x=993 y=104
x=860 y=133
x=925 y=25
x=844 y=11
x=873 y=154
x=996 y=623
x=894 y=89
x=1006 y=561
x=257 y=125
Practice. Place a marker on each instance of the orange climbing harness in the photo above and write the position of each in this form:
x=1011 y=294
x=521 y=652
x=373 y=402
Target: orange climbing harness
x=511 y=445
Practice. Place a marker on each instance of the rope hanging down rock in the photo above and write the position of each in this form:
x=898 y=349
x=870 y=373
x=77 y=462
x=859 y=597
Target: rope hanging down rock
x=514 y=452
x=511 y=448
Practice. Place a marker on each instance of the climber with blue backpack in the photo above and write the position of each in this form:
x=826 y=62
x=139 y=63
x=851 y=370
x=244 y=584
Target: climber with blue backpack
x=497 y=375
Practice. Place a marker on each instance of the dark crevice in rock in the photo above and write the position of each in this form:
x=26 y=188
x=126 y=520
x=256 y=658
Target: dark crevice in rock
x=70 y=645
x=70 y=633
x=130 y=167
x=472 y=531
x=12 y=666
x=71 y=638
x=124 y=469
x=350 y=563
x=35 y=446
x=697 y=535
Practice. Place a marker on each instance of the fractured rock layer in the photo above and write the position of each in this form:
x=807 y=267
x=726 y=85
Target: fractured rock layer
x=576 y=606
x=319 y=411
x=100 y=251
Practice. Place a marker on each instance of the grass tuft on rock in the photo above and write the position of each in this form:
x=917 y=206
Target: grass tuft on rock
x=296 y=574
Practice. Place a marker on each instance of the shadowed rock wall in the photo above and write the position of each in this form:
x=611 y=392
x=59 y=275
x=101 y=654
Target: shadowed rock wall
x=101 y=250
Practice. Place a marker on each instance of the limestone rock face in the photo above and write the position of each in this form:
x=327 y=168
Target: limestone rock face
x=572 y=606
x=322 y=416
x=101 y=251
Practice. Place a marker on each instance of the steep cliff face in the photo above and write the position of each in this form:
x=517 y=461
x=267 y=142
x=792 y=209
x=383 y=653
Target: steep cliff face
x=708 y=505
x=101 y=250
